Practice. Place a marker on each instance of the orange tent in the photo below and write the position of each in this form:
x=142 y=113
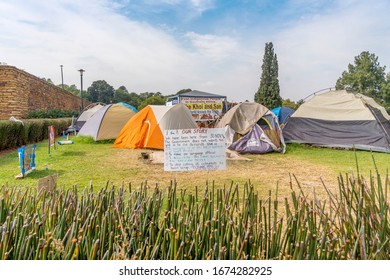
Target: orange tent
x=145 y=129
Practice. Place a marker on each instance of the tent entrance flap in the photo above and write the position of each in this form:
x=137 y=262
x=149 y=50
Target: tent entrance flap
x=274 y=136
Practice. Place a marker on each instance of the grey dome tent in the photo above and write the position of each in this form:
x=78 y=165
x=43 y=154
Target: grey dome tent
x=107 y=122
x=252 y=128
x=341 y=120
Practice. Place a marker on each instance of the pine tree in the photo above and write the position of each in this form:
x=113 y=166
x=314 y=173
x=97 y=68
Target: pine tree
x=268 y=93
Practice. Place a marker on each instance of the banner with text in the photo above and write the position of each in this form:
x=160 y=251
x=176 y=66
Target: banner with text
x=204 y=109
x=194 y=149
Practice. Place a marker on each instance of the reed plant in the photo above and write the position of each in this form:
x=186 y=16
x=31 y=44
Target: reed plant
x=229 y=223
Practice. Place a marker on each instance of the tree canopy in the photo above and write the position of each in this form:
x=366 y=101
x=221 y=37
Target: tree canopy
x=72 y=89
x=268 y=93
x=367 y=77
x=101 y=91
x=157 y=99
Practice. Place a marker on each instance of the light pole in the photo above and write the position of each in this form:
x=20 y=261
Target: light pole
x=62 y=77
x=81 y=90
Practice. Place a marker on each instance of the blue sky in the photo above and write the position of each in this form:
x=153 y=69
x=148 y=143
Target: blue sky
x=210 y=45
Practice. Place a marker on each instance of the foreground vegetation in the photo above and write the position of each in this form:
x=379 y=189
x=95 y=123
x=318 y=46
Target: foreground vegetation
x=213 y=223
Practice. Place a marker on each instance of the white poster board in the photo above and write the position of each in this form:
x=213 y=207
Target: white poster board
x=194 y=149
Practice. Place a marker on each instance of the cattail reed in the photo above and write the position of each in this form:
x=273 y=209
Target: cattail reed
x=227 y=223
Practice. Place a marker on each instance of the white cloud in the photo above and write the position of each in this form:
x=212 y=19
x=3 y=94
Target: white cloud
x=107 y=45
x=202 y=5
x=312 y=52
x=215 y=48
x=114 y=48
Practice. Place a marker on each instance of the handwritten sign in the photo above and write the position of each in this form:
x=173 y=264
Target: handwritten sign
x=194 y=149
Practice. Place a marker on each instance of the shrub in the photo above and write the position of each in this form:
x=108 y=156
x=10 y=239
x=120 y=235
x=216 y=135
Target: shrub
x=51 y=114
x=15 y=134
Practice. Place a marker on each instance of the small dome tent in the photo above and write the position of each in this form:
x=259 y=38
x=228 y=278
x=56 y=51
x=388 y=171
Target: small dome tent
x=107 y=122
x=145 y=129
x=340 y=119
x=252 y=128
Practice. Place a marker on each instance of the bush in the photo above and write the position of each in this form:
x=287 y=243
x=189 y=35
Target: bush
x=51 y=114
x=15 y=134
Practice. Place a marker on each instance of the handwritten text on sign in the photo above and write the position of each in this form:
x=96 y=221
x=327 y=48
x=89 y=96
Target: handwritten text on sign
x=194 y=149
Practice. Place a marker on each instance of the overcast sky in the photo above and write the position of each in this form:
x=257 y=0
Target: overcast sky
x=215 y=46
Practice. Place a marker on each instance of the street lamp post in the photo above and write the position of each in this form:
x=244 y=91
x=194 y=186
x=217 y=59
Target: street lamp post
x=62 y=77
x=81 y=90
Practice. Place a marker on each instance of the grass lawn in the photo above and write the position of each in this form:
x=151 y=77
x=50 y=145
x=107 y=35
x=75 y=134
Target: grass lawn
x=85 y=161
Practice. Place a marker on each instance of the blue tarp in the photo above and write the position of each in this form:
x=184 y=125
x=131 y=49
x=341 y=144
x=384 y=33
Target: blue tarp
x=283 y=113
x=128 y=106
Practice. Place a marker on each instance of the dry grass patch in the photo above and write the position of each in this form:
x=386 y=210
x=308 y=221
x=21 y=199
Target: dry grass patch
x=265 y=172
x=87 y=161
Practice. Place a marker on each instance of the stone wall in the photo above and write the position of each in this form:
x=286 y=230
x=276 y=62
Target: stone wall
x=21 y=93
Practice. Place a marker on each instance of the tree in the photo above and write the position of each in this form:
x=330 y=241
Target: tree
x=72 y=89
x=152 y=100
x=122 y=95
x=48 y=80
x=290 y=104
x=183 y=91
x=268 y=93
x=144 y=95
x=385 y=90
x=366 y=76
x=101 y=91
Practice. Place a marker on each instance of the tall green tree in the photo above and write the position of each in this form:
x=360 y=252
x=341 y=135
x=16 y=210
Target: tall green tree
x=101 y=91
x=268 y=93
x=365 y=76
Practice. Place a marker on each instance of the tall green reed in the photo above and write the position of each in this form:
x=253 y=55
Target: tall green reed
x=233 y=222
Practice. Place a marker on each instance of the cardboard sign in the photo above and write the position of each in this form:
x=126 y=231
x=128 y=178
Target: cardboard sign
x=48 y=183
x=194 y=149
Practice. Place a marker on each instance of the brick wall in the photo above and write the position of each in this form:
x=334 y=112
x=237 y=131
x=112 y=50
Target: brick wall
x=21 y=93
